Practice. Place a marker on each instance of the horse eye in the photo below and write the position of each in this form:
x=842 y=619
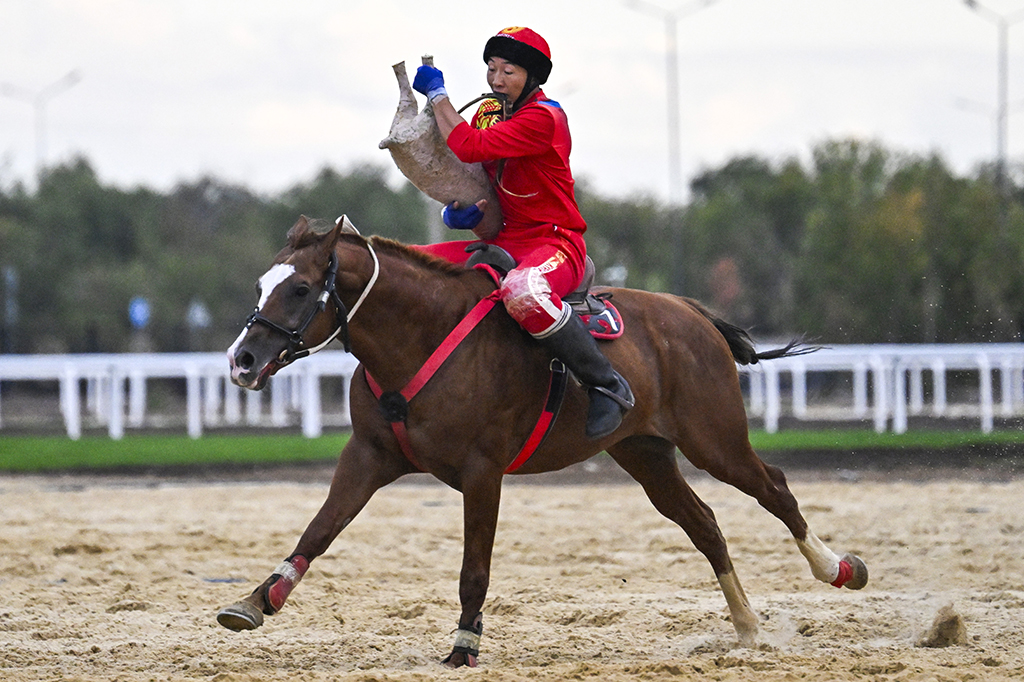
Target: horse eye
x=301 y=291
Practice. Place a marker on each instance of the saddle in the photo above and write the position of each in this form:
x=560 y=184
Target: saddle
x=595 y=310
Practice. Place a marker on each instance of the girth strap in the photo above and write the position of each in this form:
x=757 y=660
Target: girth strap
x=552 y=404
x=394 y=405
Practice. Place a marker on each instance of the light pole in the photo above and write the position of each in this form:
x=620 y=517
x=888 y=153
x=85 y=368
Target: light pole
x=672 y=19
x=1003 y=23
x=39 y=100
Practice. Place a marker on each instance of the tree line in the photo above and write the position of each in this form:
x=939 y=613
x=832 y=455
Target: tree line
x=858 y=245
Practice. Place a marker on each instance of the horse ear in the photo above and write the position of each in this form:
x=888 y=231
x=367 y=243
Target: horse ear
x=298 y=231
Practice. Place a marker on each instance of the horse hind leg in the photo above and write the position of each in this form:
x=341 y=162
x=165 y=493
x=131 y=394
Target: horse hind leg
x=848 y=571
x=745 y=471
x=651 y=462
x=773 y=494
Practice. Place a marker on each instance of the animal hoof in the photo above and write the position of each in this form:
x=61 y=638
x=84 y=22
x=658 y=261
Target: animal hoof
x=240 y=616
x=459 y=660
x=860 y=572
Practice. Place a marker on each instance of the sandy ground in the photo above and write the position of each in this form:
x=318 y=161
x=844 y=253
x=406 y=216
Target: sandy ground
x=111 y=579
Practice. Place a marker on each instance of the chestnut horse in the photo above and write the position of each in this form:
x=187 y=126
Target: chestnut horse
x=395 y=305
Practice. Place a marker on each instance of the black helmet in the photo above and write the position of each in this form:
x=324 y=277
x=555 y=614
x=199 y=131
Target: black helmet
x=523 y=47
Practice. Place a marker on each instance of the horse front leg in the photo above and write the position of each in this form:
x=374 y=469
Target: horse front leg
x=481 y=494
x=360 y=472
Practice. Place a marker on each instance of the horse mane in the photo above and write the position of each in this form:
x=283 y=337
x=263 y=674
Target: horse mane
x=742 y=346
x=318 y=227
x=427 y=260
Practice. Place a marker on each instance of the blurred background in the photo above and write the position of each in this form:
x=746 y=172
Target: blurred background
x=849 y=171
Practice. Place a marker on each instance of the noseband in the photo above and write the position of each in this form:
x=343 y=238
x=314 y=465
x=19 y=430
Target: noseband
x=296 y=348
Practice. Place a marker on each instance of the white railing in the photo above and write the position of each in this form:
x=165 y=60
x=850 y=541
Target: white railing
x=210 y=397
x=881 y=383
x=896 y=375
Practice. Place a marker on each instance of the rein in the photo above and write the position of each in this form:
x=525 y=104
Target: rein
x=499 y=97
x=296 y=344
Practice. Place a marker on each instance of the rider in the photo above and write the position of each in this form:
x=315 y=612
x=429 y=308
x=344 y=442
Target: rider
x=527 y=160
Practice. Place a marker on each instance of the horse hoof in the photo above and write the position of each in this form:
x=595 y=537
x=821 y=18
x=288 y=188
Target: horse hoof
x=459 y=660
x=240 y=616
x=860 y=572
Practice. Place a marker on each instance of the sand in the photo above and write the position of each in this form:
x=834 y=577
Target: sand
x=120 y=579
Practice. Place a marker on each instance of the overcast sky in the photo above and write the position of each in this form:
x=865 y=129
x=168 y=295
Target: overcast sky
x=265 y=92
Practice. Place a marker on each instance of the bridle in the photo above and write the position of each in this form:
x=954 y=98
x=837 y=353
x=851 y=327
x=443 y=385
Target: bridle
x=296 y=348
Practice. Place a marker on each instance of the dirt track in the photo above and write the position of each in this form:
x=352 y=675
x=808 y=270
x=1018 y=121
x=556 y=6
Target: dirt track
x=119 y=579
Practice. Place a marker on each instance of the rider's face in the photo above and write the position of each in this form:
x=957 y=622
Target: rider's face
x=506 y=77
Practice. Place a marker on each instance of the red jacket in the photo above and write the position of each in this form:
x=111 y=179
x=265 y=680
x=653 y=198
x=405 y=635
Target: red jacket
x=535 y=189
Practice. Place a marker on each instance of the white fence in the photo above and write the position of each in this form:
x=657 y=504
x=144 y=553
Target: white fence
x=116 y=389
x=896 y=375
x=882 y=383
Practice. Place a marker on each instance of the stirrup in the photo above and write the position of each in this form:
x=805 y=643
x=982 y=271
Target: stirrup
x=625 y=402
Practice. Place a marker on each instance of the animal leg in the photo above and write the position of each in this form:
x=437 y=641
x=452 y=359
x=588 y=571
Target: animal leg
x=481 y=494
x=359 y=474
x=848 y=571
x=651 y=462
x=767 y=484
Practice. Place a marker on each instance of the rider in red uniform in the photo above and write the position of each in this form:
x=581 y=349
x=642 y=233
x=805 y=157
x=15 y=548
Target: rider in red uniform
x=527 y=159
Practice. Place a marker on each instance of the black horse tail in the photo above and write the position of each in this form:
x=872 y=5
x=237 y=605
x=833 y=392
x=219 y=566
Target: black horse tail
x=742 y=346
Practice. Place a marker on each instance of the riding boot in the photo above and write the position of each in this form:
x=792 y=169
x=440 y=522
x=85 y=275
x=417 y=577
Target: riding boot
x=610 y=395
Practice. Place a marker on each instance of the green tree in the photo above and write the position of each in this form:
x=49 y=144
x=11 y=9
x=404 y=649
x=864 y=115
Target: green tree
x=637 y=238
x=745 y=224
x=365 y=197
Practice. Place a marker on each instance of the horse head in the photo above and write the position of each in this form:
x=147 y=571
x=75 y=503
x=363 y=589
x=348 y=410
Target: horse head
x=299 y=309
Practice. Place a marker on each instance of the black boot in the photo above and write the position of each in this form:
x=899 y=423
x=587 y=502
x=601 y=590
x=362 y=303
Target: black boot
x=610 y=396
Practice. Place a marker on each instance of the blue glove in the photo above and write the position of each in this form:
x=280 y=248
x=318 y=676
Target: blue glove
x=461 y=218
x=430 y=82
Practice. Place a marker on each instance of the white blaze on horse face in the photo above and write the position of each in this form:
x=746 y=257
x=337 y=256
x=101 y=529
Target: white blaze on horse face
x=270 y=280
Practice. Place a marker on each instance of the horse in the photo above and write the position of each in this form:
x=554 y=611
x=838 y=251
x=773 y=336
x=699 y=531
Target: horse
x=465 y=421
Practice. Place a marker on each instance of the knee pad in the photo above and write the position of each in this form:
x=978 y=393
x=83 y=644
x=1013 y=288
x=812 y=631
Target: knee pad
x=527 y=296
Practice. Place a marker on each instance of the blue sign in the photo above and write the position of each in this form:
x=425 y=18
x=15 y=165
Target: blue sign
x=138 y=312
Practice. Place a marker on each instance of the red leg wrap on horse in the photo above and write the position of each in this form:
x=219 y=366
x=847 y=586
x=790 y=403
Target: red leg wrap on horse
x=845 y=573
x=289 y=574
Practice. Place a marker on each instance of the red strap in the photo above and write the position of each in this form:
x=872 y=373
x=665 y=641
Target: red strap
x=553 y=401
x=429 y=368
x=460 y=332
x=556 y=388
x=401 y=433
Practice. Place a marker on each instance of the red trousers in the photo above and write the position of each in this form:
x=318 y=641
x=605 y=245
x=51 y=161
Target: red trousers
x=533 y=291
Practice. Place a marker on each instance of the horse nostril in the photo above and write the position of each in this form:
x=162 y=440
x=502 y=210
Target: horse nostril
x=245 y=360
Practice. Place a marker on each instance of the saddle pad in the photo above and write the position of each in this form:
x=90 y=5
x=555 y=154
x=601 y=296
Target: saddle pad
x=606 y=324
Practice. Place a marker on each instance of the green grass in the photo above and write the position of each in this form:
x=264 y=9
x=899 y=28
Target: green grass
x=28 y=453
x=855 y=439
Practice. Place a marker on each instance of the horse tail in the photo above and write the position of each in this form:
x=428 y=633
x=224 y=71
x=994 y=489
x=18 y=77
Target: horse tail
x=742 y=346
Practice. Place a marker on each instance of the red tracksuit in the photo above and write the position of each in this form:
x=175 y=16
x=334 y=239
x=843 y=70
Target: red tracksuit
x=527 y=159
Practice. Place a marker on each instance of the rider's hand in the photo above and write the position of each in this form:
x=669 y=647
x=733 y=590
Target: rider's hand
x=429 y=81
x=463 y=218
